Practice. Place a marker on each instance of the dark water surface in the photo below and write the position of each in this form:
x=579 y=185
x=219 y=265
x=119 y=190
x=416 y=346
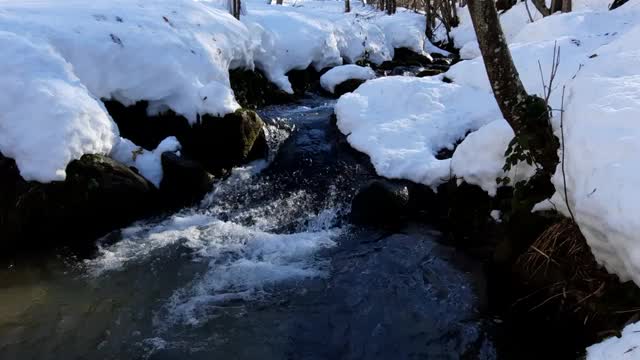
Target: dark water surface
x=265 y=268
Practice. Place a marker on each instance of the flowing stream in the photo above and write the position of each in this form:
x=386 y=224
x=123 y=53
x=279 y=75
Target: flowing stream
x=266 y=267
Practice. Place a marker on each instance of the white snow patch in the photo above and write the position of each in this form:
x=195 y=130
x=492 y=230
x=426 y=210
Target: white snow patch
x=147 y=162
x=340 y=74
x=480 y=157
x=59 y=57
x=402 y=122
x=47 y=116
x=626 y=347
x=171 y=53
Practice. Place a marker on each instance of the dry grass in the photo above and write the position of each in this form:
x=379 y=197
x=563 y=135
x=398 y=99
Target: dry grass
x=563 y=276
x=560 y=248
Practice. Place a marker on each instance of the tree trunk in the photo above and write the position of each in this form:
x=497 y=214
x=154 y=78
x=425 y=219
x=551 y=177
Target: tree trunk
x=428 y=31
x=279 y=2
x=617 y=3
x=527 y=115
x=566 y=6
x=556 y=5
x=235 y=8
x=542 y=7
x=347 y=6
x=455 y=19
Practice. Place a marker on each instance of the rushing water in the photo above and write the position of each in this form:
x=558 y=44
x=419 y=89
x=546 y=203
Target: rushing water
x=265 y=268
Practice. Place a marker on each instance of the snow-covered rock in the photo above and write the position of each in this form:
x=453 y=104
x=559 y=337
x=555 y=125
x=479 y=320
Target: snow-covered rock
x=479 y=159
x=402 y=122
x=147 y=162
x=173 y=53
x=47 y=116
x=340 y=74
x=60 y=57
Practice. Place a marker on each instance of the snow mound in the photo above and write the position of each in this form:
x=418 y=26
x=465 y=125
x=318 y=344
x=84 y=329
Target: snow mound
x=402 y=122
x=599 y=53
x=340 y=74
x=47 y=116
x=602 y=147
x=148 y=163
x=512 y=21
x=626 y=347
x=320 y=34
x=479 y=159
x=174 y=53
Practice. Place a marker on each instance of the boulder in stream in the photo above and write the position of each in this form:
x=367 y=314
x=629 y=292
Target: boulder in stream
x=98 y=195
x=380 y=201
x=185 y=181
x=222 y=143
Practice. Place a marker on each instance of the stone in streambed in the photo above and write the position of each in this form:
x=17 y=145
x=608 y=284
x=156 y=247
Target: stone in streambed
x=252 y=89
x=347 y=86
x=98 y=196
x=380 y=201
x=184 y=181
x=222 y=143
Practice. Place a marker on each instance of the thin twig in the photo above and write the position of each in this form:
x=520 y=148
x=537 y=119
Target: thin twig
x=526 y=5
x=564 y=176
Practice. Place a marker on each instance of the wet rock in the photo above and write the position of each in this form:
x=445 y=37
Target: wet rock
x=407 y=57
x=217 y=143
x=147 y=131
x=347 y=86
x=252 y=89
x=184 y=182
x=380 y=201
x=98 y=195
x=443 y=61
x=221 y=143
x=305 y=80
x=405 y=71
x=430 y=72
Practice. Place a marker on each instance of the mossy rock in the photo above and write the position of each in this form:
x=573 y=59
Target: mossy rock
x=222 y=143
x=184 y=181
x=98 y=195
x=347 y=86
x=252 y=89
x=305 y=80
x=407 y=57
x=430 y=72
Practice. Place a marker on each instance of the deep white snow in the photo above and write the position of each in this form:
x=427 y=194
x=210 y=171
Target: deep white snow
x=340 y=74
x=47 y=116
x=479 y=159
x=626 y=347
x=59 y=57
x=402 y=122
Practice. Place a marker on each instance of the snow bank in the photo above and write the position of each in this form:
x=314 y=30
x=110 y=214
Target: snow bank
x=47 y=116
x=602 y=142
x=598 y=66
x=147 y=162
x=402 y=122
x=320 y=34
x=340 y=74
x=173 y=53
x=59 y=57
x=626 y=347
x=512 y=21
x=479 y=159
